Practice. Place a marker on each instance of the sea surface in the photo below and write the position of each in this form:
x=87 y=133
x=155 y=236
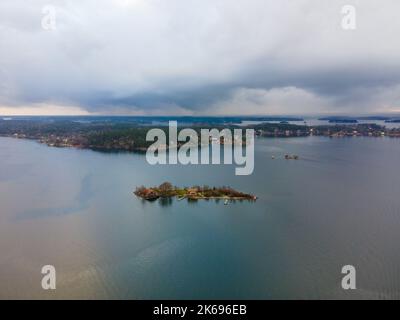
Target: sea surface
x=74 y=209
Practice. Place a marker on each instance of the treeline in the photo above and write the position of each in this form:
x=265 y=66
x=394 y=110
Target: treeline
x=131 y=136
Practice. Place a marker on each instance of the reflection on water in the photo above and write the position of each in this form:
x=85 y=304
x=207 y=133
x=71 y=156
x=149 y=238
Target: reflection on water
x=165 y=202
x=75 y=209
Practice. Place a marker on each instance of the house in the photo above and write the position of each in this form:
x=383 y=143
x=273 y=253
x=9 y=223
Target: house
x=192 y=191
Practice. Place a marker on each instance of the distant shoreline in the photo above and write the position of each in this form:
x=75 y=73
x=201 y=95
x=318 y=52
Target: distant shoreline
x=123 y=136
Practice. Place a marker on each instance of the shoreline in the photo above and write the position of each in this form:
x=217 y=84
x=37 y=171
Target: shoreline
x=142 y=150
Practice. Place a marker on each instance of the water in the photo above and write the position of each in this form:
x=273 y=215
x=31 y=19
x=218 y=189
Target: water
x=74 y=209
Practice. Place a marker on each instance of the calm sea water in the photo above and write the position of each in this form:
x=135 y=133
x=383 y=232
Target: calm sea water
x=74 y=209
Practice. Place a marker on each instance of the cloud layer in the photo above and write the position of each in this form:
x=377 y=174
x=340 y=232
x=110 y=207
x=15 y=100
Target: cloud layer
x=200 y=57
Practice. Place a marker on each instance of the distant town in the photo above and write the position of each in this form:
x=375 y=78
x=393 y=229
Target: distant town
x=126 y=134
x=332 y=131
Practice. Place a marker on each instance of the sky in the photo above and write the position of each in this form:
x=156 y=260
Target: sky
x=199 y=57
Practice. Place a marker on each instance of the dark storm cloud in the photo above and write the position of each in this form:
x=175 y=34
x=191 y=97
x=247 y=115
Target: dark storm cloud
x=195 y=56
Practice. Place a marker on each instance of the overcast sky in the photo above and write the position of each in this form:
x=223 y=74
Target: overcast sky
x=219 y=57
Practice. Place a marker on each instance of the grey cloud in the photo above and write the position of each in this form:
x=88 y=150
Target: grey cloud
x=201 y=56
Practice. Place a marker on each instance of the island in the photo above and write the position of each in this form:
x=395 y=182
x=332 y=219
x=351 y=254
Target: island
x=167 y=190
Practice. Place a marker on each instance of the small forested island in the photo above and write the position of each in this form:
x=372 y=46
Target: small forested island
x=167 y=190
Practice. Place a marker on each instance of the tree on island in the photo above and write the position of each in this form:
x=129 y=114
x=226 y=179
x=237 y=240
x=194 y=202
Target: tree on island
x=140 y=190
x=165 y=188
